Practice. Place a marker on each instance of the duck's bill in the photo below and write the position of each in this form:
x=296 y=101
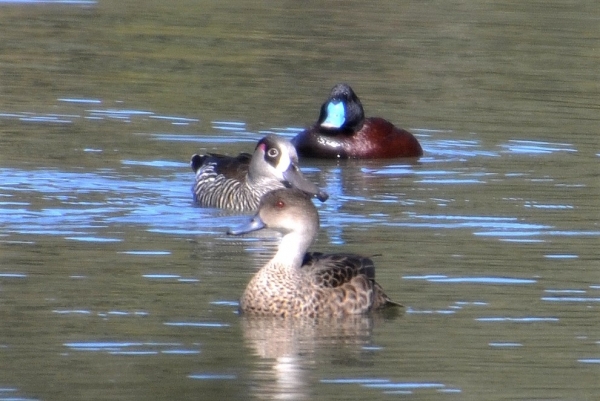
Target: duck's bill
x=295 y=179
x=253 y=225
x=336 y=116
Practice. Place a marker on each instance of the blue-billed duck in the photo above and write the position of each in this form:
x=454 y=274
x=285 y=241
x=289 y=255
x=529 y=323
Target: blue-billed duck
x=342 y=131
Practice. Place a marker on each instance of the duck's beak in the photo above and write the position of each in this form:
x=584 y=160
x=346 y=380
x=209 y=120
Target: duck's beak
x=295 y=179
x=254 y=224
x=336 y=115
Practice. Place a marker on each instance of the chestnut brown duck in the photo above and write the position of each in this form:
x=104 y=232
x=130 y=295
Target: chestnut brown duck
x=342 y=131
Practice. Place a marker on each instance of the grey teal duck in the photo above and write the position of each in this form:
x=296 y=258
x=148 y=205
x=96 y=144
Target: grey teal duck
x=296 y=283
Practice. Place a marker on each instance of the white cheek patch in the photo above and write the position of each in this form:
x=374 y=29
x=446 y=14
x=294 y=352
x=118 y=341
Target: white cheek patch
x=284 y=162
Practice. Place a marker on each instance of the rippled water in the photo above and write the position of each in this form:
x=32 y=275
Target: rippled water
x=113 y=285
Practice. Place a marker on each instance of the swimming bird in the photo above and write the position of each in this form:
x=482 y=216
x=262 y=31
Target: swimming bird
x=296 y=283
x=237 y=183
x=342 y=131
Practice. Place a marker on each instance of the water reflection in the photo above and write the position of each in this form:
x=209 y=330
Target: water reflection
x=537 y=147
x=472 y=280
x=291 y=347
x=13 y=394
x=118 y=114
x=131 y=348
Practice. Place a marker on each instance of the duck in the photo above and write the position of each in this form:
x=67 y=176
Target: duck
x=297 y=283
x=343 y=132
x=236 y=183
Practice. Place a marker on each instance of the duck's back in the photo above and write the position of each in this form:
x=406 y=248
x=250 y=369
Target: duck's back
x=379 y=138
x=376 y=139
x=231 y=167
x=349 y=281
x=325 y=285
x=221 y=182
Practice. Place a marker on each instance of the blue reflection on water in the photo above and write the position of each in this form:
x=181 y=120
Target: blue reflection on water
x=471 y=280
x=132 y=348
x=79 y=205
x=73 y=312
x=452 y=309
x=570 y=299
x=450 y=181
x=564 y=233
x=124 y=115
x=561 y=256
x=161 y=276
x=412 y=311
x=154 y=163
x=2 y=398
x=354 y=381
x=505 y=345
x=13 y=275
x=288 y=132
x=453 y=149
x=211 y=376
x=528 y=319
x=391 y=387
x=133 y=353
x=80 y=100
x=181 y=352
x=100 y=314
x=546 y=206
x=408 y=385
x=102 y=345
x=496 y=226
x=147 y=253
x=206 y=138
x=94 y=239
x=537 y=147
x=566 y=291
x=225 y=303
x=197 y=324
x=48 y=119
x=177 y=277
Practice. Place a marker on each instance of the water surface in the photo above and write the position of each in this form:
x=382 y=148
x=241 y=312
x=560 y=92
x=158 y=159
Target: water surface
x=114 y=285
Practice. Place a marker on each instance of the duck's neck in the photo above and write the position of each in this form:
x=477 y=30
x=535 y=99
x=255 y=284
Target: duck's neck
x=291 y=251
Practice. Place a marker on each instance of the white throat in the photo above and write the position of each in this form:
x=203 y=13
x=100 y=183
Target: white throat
x=291 y=250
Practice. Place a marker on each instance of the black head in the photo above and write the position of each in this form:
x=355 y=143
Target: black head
x=342 y=111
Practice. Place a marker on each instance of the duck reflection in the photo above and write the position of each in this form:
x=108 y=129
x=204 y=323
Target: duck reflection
x=290 y=349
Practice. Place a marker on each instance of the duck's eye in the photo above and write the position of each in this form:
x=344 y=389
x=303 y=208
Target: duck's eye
x=279 y=204
x=272 y=152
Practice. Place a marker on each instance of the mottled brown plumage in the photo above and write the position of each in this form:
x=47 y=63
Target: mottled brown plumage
x=296 y=283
